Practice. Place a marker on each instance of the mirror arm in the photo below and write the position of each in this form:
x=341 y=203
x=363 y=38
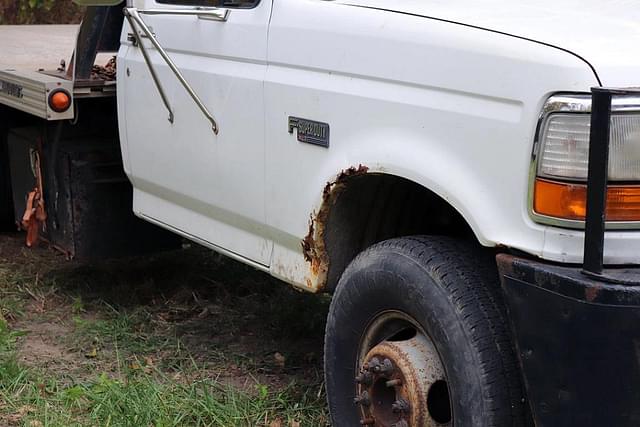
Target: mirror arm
x=150 y=66
x=133 y=15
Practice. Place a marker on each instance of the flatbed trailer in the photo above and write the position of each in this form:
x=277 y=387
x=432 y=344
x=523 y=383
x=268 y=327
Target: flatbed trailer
x=40 y=59
x=71 y=157
x=32 y=61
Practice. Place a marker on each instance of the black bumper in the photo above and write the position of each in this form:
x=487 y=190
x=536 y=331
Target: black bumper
x=578 y=341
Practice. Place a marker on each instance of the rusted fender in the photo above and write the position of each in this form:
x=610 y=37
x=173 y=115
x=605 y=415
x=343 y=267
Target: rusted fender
x=313 y=245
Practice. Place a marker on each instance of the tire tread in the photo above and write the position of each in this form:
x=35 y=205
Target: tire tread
x=471 y=281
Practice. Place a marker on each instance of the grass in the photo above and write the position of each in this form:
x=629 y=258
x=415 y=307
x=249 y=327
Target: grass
x=178 y=339
x=147 y=400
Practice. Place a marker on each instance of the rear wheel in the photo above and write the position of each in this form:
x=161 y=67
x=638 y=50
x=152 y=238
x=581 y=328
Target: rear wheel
x=416 y=336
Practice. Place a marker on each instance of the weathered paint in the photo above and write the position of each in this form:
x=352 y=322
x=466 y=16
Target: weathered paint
x=395 y=89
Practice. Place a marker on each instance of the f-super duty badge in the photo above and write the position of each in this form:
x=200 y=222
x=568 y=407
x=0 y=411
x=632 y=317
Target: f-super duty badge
x=310 y=131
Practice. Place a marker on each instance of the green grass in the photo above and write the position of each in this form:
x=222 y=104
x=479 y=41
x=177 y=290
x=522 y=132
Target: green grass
x=179 y=339
x=129 y=330
x=149 y=400
x=140 y=397
x=11 y=296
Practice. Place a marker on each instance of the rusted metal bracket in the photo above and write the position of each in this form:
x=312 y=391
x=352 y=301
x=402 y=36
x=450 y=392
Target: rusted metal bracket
x=35 y=214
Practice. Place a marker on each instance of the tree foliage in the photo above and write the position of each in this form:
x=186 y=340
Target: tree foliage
x=39 y=12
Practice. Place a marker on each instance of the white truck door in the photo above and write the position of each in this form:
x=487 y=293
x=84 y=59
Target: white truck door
x=206 y=185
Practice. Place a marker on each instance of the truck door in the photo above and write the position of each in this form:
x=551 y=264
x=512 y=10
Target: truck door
x=200 y=177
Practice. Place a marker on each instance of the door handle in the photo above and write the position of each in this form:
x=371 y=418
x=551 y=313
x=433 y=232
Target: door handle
x=206 y=13
x=135 y=21
x=214 y=14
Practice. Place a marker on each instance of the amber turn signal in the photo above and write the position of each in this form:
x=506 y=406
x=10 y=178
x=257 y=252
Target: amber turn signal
x=59 y=100
x=569 y=201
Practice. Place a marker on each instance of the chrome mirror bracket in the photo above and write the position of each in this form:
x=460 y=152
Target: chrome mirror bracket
x=135 y=21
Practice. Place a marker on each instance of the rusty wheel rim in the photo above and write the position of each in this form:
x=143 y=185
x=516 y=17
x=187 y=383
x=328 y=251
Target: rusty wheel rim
x=401 y=380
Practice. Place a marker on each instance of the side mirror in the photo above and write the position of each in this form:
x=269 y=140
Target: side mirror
x=97 y=2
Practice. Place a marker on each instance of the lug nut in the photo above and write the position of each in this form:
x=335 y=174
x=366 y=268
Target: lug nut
x=365 y=378
x=385 y=367
x=400 y=406
x=373 y=365
x=393 y=383
x=363 y=399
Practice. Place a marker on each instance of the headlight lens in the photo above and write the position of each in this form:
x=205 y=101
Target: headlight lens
x=624 y=151
x=564 y=153
x=558 y=191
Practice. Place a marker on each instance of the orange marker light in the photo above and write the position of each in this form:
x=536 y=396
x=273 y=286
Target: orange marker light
x=569 y=201
x=60 y=101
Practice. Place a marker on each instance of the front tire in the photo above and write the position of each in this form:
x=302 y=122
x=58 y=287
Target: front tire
x=420 y=322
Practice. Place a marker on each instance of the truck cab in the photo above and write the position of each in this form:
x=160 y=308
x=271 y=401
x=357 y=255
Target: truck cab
x=463 y=181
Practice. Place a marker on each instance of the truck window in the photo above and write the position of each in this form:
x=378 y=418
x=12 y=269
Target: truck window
x=237 y=4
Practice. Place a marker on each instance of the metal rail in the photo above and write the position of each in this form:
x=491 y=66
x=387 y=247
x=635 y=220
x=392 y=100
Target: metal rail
x=211 y=14
x=135 y=21
x=598 y=177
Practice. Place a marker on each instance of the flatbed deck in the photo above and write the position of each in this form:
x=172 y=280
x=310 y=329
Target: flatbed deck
x=33 y=47
x=30 y=59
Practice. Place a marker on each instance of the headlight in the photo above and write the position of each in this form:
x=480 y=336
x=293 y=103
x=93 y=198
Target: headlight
x=564 y=151
x=562 y=162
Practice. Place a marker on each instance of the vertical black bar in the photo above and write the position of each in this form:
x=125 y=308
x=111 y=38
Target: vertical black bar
x=87 y=42
x=597 y=180
x=100 y=31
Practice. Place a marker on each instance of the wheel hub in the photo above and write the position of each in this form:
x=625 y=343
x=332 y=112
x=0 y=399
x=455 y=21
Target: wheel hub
x=400 y=384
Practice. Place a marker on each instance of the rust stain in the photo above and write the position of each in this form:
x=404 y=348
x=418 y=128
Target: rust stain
x=313 y=245
x=505 y=263
x=410 y=368
x=308 y=243
x=35 y=215
x=592 y=293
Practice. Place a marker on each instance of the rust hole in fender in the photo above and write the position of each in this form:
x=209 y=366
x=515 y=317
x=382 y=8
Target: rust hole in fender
x=313 y=245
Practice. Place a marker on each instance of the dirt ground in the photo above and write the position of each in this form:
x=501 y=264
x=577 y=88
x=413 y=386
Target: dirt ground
x=185 y=314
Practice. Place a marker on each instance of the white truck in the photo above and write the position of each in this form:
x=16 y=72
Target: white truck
x=462 y=176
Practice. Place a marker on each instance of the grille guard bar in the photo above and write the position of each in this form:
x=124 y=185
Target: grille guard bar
x=597 y=179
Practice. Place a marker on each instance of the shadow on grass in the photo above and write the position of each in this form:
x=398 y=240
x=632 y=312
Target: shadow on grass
x=213 y=305
x=166 y=328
